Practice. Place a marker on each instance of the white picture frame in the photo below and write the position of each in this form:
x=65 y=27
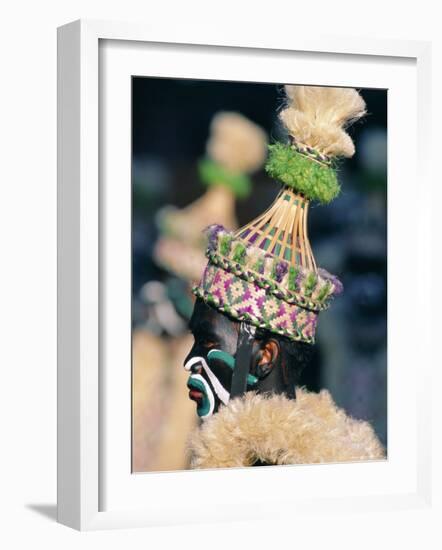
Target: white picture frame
x=93 y=54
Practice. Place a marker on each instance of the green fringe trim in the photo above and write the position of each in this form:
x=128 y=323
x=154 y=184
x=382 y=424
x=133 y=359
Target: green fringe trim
x=225 y=244
x=314 y=180
x=259 y=265
x=239 y=253
x=293 y=274
x=324 y=292
x=310 y=284
x=296 y=292
x=212 y=173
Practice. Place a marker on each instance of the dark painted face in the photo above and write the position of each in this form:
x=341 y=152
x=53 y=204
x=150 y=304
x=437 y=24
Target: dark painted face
x=209 y=362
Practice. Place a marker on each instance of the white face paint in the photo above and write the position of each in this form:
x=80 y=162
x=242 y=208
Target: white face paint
x=199 y=383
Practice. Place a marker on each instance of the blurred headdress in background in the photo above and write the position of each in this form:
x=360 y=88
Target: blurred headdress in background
x=236 y=147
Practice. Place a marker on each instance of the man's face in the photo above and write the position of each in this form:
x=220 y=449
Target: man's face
x=210 y=372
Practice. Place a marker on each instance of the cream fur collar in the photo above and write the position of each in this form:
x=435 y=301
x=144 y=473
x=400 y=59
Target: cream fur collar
x=277 y=430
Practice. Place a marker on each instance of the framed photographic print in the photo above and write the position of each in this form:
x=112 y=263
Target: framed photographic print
x=237 y=229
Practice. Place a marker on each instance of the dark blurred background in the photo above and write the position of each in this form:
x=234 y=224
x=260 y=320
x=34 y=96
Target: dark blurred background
x=171 y=121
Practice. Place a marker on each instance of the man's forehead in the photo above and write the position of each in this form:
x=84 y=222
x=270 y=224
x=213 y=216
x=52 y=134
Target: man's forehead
x=201 y=315
x=200 y=324
x=207 y=318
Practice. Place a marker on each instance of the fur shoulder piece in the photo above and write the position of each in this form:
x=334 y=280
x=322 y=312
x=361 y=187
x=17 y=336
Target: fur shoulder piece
x=275 y=430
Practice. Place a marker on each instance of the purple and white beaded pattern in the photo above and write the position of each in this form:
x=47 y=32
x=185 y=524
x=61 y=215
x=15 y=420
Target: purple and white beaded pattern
x=246 y=301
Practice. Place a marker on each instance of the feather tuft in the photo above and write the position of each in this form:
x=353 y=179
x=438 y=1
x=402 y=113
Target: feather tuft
x=317 y=116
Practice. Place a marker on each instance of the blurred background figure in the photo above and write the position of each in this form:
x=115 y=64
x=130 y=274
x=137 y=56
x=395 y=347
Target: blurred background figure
x=168 y=143
x=163 y=416
x=236 y=147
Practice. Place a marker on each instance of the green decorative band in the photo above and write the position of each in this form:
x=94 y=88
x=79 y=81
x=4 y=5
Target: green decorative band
x=212 y=173
x=303 y=173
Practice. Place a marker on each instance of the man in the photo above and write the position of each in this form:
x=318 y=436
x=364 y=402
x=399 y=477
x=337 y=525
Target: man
x=258 y=302
x=276 y=362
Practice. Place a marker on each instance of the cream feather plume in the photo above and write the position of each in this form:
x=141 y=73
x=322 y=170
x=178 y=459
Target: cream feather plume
x=316 y=116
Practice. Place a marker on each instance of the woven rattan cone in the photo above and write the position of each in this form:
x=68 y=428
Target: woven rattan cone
x=282 y=230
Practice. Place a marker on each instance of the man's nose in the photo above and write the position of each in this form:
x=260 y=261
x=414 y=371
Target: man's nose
x=193 y=365
x=197 y=369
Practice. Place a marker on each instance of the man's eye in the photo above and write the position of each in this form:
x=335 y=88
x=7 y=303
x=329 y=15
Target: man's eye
x=205 y=342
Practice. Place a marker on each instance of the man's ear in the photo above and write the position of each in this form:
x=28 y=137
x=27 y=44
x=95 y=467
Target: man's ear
x=266 y=357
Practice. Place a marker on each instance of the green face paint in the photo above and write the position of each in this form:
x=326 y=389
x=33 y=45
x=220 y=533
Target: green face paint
x=203 y=408
x=229 y=360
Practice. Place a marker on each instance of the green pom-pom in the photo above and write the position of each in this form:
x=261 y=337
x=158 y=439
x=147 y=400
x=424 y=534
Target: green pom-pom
x=239 y=253
x=293 y=274
x=314 y=180
x=225 y=244
x=212 y=173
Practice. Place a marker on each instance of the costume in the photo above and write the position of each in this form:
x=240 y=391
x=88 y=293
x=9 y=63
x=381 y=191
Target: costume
x=264 y=276
x=257 y=430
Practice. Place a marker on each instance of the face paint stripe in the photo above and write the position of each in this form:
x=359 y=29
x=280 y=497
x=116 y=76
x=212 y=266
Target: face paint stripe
x=216 y=354
x=191 y=362
x=229 y=360
x=220 y=391
x=207 y=408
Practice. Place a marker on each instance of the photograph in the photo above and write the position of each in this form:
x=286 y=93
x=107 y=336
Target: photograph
x=228 y=219
x=259 y=274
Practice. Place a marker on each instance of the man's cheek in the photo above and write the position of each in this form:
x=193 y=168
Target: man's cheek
x=222 y=365
x=222 y=373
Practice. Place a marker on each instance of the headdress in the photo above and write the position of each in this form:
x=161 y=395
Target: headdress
x=236 y=147
x=265 y=274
